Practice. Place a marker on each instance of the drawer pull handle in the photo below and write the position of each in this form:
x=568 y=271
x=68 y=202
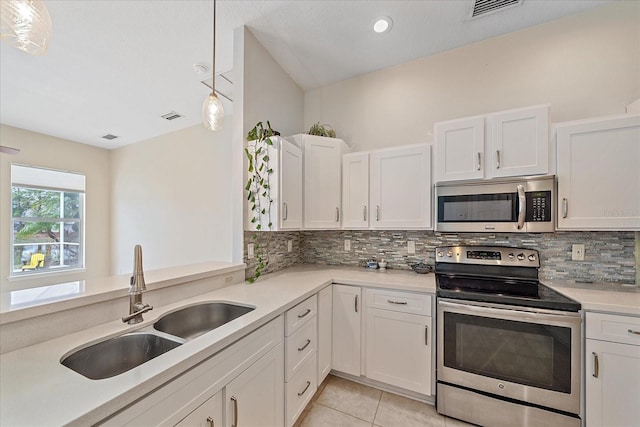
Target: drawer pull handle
x=300 y=316
x=596 y=367
x=235 y=411
x=396 y=302
x=479 y=161
x=356 y=303
x=565 y=207
x=426 y=335
x=210 y=421
x=305 y=346
x=631 y=331
x=305 y=389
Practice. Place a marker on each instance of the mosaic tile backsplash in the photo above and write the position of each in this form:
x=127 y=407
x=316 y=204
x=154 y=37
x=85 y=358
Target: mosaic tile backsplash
x=609 y=256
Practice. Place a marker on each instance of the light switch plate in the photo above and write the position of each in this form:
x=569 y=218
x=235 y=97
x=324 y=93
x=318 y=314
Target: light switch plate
x=577 y=252
x=289 y=245
x=347 y=245
x=411 y=247
x=251 y=250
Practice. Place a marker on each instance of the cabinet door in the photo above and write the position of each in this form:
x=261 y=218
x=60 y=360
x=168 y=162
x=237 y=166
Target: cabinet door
x=209 y=414
x=401 y=187
x=290 y=186
x=256 y=396
x=347 y=303
x=398 y=349
x=598 y=174
x=322 y=182
x=518 y=142
x=612 y=389
x=355 y=190
x=325 y=304
x=459 y=149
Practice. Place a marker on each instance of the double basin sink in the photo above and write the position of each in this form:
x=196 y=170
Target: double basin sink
x=122 y=353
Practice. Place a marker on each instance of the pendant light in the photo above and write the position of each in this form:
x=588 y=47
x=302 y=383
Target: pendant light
x=212 y=111
x=26 y=25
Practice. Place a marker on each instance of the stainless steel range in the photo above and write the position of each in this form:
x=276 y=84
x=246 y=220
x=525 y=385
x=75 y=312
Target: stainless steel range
x=508 y=347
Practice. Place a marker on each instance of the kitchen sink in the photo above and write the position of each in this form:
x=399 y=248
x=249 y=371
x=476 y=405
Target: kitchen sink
x=195 y=320
x=117 y=355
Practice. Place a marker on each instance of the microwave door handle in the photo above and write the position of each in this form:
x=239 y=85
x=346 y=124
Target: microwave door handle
x=522 y=206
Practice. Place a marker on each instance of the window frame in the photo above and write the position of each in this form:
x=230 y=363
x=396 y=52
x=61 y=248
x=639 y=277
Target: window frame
x=61 y=220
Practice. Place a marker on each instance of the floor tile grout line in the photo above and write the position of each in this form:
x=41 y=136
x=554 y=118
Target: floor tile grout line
x=346 y=413
x=375 y=415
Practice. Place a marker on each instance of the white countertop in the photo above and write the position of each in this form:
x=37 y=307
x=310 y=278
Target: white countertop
x=35 y=389
x=609 y=298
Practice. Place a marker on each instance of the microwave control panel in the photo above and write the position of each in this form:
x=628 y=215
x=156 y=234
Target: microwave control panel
x=538 y=206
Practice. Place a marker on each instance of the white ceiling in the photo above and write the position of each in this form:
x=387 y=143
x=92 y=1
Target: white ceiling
x=117 y=66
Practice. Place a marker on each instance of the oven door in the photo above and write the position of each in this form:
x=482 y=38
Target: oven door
x=531 y=355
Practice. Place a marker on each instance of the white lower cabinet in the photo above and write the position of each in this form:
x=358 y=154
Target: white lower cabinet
x=347 y=303
x=398 y=343
x=325 y=308
x=612 y=370
x=209 y=414
x=256 y=397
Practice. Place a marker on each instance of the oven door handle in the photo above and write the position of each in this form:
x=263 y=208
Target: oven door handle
x=515 y=314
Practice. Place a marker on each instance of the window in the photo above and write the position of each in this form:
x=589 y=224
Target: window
x=47 y=220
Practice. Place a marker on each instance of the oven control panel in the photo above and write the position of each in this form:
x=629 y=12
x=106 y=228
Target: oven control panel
x=488 y=255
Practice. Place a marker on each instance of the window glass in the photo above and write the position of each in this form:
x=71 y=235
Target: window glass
x=47 y=223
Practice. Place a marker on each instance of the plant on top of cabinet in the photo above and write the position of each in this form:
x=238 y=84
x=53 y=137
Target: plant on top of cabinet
x=322 y=130
x=258 y=185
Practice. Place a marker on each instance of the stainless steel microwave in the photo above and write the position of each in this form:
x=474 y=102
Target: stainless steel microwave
x=515 y=205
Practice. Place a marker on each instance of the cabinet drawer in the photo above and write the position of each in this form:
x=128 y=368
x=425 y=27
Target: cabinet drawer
x=299 y=314
x=405 y=302
x=300 y=390
x=299 y=346
x=612 y=327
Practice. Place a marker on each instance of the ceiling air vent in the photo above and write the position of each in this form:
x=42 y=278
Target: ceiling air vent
x=109 y=136
x=172 y=116
x=482 y=7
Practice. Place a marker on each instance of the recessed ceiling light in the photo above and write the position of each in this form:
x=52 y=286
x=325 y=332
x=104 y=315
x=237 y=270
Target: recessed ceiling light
x=382 y=24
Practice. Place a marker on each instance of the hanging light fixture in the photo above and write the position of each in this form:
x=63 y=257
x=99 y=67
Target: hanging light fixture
x=26 y=25
x=212 y=111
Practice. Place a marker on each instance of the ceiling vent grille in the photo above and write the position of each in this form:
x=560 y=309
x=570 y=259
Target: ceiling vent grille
x=482 y=7
x=109 y=136
x=172 y=116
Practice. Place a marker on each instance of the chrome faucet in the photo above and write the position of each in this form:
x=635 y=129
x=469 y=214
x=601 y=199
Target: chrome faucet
x=136 y=287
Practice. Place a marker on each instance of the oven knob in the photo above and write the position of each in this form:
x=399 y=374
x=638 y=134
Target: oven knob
x=440 y=253
x=532 y=257
x=520 y=257
x=511 y=256
x=449 y=253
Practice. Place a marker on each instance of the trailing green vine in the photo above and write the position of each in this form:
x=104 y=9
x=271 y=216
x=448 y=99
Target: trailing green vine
x=258 y=187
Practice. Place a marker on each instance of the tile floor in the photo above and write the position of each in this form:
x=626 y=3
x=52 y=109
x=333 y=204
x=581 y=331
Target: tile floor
x=342 y=403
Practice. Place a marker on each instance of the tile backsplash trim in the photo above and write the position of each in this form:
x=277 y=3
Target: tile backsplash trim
x=609 y=256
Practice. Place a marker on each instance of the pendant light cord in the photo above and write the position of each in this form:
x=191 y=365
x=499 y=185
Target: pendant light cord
x=213 y=80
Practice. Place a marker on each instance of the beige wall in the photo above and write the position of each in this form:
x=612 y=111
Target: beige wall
x=585 y=65
x=172 y=195
x=55 y=153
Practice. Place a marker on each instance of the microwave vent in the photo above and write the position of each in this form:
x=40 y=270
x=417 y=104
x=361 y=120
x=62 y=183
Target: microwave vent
x=483 y=7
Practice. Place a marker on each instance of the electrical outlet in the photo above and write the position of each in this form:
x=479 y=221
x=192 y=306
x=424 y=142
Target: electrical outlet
x=347 y=245
x=251 y=250
x=411 y=247
x=289 y=245
x=577 y=252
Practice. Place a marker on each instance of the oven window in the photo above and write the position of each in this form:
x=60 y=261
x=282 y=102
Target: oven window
x=525 y=353
x=478 y=208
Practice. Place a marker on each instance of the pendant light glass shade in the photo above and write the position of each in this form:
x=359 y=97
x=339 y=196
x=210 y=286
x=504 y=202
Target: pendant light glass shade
x=26 y=25
x=212 y=112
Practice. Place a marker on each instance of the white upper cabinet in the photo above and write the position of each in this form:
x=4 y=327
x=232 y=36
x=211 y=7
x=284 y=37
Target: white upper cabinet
x=355 y=190
x=285 y=210
x=459 y=149
x=401 y=187
x=502 y=144
x=387 y=189
x=598 y=169
x=519 y=142
x=322 y=180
